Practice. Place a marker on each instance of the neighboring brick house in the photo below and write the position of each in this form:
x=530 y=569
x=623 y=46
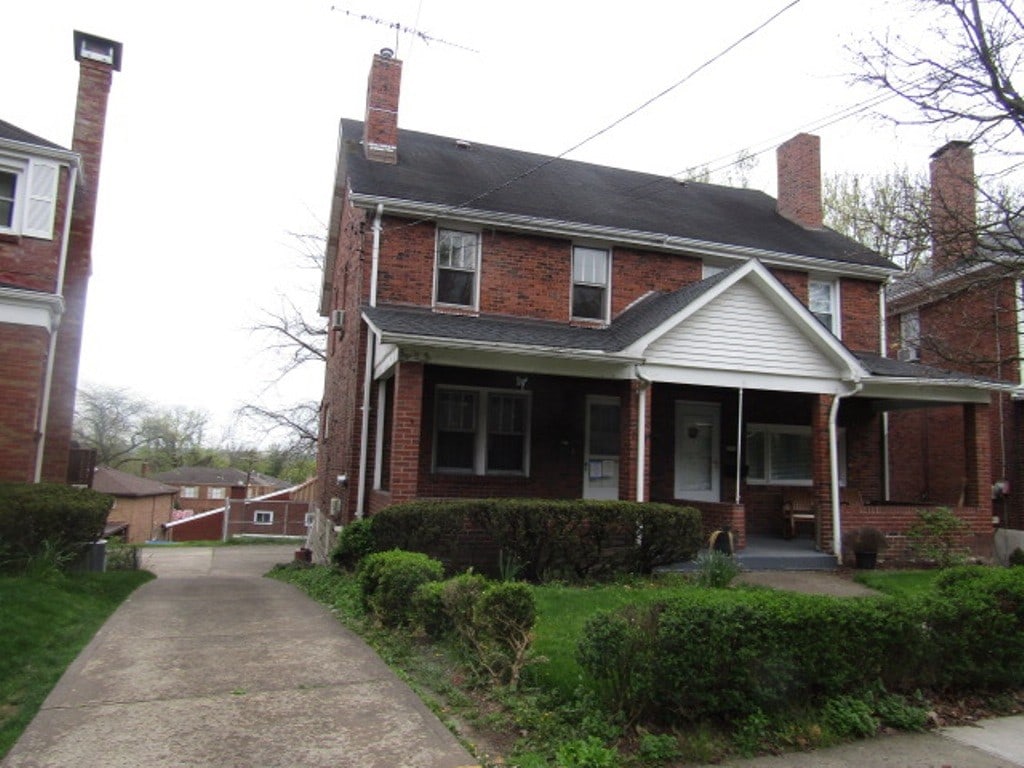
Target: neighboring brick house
x=960 y=311
x=201 y=489
x=47 y=207
x=508 y=324
x=141 y=506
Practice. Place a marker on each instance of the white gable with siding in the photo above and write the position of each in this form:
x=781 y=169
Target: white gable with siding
x=750 y=332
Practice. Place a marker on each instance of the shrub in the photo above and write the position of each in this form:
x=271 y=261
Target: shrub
x=849 y=717
x=387 y=581
x=47 y=516
x=428 y=609
x=586 y=753
x=503 y=621
x=1016 y=557
x=936 y=537
x=355 y=542
x=122 y=556
x=716 y=569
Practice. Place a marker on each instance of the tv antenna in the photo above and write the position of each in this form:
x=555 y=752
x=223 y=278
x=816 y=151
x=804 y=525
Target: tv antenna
x=401 y=29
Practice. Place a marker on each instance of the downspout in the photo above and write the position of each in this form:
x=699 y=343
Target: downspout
x=44 y=411
x=641 y=428
x=884 y=344
x=833 y=460
x=364 y=439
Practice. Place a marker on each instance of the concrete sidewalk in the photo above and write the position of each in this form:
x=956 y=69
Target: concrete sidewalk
x=212 y=665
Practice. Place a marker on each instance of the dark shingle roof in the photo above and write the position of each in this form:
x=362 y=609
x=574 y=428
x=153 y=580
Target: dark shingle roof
x=216 y=476
x=877 y=365
x=642 y=317
x=118 y=483
x=436 y=170
x=14 y=133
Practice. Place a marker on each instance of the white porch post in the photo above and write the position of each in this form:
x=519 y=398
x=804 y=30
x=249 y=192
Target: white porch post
x=739 y=442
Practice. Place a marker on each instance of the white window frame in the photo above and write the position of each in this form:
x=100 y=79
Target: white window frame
x=307 y=520
x=787 y=429
x=591 y=280
x=438 y=266
x=910 y=335
x=216 y=492
x=481 y=432
x=189 y=492
x=263 y=517
x=833 y=296
x=35 y=196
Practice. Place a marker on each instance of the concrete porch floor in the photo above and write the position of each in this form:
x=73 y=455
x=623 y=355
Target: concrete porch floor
x=773 y=553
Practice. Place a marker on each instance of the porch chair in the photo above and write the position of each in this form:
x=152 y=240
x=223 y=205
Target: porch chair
x=798 y=506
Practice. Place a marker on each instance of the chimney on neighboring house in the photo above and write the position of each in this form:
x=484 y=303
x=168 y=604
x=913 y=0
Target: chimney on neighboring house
x=953 y=217
x=380 y=129
x=97 y=59
x=798 y=164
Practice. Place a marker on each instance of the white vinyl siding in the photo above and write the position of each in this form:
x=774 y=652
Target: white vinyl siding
x=741 y=331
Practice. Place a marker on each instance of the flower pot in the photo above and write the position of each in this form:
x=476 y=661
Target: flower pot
x=866 y=560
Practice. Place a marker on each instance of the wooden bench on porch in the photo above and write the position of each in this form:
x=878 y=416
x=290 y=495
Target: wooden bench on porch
x=799 y=506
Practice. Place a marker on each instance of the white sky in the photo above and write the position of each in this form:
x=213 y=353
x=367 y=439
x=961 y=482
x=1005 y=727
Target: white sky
x=222 y=129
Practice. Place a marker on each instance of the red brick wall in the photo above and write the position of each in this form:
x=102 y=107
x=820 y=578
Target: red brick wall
x=23 y=352
x=799 y=180
x=859 y=305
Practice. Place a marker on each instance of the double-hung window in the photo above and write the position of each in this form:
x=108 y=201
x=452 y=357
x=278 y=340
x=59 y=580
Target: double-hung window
x=28 y=196
x=590 y=273
x=780 y=454
x=189 y=492
x=910 y=335
x=823 y=301
x=458 y=262
x=479 y=431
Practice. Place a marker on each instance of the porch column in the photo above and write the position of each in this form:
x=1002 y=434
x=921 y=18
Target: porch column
x=406 y=430
x=636 y=449
x=978 y=462
x=821 y=474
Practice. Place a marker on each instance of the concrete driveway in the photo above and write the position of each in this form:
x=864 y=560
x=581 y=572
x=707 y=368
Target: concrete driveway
x=212 y=665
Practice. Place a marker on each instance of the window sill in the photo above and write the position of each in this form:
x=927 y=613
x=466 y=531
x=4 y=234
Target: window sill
x=456 y=309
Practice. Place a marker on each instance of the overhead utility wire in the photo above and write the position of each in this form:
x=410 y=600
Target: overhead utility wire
x=550 y=160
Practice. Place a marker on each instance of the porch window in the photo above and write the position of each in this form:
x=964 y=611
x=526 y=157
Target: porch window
x=779 y=454
x=590 y=283
x=481 y=431
x=457 y=267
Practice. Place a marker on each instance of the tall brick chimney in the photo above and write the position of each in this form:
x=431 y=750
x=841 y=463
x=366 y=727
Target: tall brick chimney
x=380 y=129
x=97 y=59
x=798 y=164
x=953 y=204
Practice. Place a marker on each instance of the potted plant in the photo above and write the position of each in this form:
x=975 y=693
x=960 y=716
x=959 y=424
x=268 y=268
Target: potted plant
x=865 y=543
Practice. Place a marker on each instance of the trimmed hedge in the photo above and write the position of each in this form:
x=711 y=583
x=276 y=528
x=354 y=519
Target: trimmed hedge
x=49 y=517
x=387 y=581
x=354 y=543
x=548 y=538
x=730 y=654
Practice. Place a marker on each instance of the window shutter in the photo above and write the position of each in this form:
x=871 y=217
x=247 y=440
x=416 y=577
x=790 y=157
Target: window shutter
x=41 y=199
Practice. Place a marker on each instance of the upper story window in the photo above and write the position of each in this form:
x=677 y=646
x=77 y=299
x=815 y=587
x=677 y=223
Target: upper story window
x=823 y=300
x=458 y=265
x=216 y=492
x=28 y=197
x=189 y=492
x=910 y=336
x=479 y=431
x=590 y=275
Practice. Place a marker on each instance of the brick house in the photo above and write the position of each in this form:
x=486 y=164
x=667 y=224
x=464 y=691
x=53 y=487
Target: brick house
x=960 y=311
x=201 y=489
x=47 y=207
x=507 y=324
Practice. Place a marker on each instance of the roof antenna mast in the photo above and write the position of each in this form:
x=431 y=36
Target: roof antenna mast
x=401 y=29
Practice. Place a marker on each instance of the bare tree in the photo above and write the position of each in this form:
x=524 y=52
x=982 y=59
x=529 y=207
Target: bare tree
x=109 y=420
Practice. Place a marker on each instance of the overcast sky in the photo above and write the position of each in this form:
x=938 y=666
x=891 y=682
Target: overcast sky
x=222 y=129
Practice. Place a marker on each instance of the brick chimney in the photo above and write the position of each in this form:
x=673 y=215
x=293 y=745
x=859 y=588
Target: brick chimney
x=799 y=172
x=97 y=59
x=380 y=129
x=953 y=217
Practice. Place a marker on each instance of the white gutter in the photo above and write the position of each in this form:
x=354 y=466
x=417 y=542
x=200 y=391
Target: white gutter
x=44 y=411
x=624 y=236
x=364 y=439
x=641 y=429
x=833 y=461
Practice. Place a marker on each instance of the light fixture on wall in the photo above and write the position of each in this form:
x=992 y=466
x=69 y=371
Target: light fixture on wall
x=522 y=381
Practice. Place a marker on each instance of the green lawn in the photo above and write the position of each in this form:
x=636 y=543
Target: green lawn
x=900 y=583
x=45 y=623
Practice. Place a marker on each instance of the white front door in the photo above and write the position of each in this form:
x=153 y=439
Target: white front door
x=603 y=440
x=698 y=464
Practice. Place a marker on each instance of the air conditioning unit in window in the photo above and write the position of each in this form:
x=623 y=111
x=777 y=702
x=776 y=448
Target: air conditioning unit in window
x=338 y=321
x=907 y=355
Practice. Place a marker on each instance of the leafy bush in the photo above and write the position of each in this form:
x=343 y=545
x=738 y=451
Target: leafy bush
x=657 y=748
x=849 y=717
x=122 y=556
x=937 y=537
x=428 y=610
x=543 y=538
x=895 y=711
x=387 y=581
x=503 y=621
x=716 y=569
x=586 y=753
x=1017 y=557
x=354 y=543
x=48 y=517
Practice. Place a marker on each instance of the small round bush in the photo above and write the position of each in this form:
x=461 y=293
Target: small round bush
x=429 y=611
x=507 y=610
x=387 y=581
x=355 y=542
